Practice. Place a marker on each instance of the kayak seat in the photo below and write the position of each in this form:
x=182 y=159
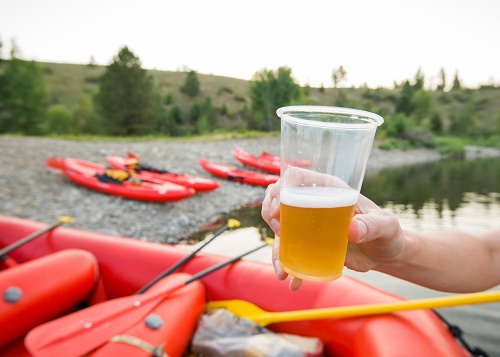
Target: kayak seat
x=167 y=329
x=107 y=179
x=42 y=289
x=235 y=178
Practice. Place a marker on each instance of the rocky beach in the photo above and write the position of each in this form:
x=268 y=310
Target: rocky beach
x=28 y=189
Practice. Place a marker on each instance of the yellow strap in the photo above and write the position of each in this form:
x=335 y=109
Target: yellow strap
x=118 y=175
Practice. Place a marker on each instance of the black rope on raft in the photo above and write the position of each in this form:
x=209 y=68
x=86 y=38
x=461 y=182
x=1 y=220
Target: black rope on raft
x=458 y=333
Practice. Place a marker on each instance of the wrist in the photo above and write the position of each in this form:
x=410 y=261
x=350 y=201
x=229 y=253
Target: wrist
x=405 y=259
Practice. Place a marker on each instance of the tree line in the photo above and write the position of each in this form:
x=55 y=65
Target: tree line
x=127 y=103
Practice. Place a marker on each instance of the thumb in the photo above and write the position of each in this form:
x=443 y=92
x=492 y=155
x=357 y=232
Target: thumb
x=377 y=224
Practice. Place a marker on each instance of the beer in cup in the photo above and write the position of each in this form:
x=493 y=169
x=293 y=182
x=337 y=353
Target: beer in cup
x=324 y=152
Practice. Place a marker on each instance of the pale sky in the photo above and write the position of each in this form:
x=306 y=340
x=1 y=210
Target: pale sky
x=376 y=41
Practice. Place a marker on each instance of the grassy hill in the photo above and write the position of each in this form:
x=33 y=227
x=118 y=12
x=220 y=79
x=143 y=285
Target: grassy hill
x=67 y=82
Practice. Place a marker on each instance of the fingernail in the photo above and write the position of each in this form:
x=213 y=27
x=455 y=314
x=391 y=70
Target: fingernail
x=295 y=283
x=363 y=229
x=275 y=225
x=277 y=268
x=274 y=205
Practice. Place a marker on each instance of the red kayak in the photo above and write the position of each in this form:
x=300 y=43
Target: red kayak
x=232 y=173
x=265 y=161
x=84 y=173
x=268 y=156
x=68 y=268
x=148 y=172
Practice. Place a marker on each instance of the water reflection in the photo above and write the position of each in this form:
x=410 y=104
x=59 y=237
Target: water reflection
x=445 y=184
x=443 y=195
x=454 y=194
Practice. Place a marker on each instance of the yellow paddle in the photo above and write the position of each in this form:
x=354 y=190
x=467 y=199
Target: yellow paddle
x=250 y=311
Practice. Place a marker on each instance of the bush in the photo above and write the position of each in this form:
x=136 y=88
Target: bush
x=239 y=98
x=202 y=125
x=450 y=146
x=168 y=99
x=394 y=143
x=224 y=90
x=419 y=138
x=92 y=79
x=223 y=110
x=59 y=120
x=491 y=141
x=396 y=125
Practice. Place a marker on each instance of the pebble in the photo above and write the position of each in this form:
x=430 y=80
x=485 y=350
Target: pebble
x=29 y=189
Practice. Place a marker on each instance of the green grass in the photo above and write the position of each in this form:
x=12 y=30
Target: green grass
x=451 y=146
x=219 y=135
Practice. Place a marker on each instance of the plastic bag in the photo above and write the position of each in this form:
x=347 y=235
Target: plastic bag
x=221 y=333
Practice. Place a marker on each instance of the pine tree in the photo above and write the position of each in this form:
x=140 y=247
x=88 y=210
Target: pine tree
x=404 y=101
x=456 y=82
x=419 y=80
x=442 y=76
x=191 y=85
x=126 y=98
x=23 y=97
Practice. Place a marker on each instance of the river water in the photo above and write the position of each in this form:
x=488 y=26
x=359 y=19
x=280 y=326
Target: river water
x=454 y=194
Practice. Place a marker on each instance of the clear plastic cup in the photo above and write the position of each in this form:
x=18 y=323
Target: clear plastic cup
x=324 y=152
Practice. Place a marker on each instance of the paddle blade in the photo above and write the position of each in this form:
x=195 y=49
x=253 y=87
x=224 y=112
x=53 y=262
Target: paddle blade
x=65 y=219
x=240 y=308
x=83 y=331
x=233 y=223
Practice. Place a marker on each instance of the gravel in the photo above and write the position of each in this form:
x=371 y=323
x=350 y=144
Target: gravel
x=28 y=189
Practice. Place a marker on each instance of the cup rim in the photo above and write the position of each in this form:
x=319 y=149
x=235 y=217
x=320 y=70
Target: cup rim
x=289 y=110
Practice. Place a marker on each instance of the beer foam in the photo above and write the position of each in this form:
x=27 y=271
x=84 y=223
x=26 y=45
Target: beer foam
x=319 y=197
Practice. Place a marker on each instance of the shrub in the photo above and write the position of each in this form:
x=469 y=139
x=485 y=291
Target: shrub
x=224 y=90
x=59 y=120
x=92 y=79
x=239 y=98
x=168 y=99
x=450 y=146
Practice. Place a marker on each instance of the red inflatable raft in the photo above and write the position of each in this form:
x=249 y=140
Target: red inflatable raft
x=84 y=173
x=232 y=173
x=67 y=266
x=198 y=183
x=264 y=161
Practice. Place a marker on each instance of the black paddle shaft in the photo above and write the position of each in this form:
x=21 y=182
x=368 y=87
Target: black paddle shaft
x=182 y=262
x=210 y=270
x=23 y=241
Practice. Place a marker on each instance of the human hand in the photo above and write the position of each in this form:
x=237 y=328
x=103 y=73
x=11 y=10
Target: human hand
x=375 y=235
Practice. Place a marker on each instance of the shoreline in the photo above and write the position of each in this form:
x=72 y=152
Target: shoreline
x=30 y=190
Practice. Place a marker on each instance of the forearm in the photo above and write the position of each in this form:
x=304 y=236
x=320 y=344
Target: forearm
x=448 y=261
